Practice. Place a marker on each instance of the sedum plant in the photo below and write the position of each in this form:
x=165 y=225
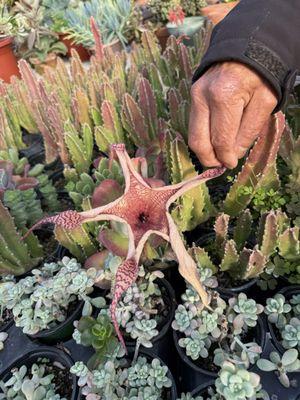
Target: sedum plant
x=218 y=330
x=289 y=362
x=36 y=383
x=139 y=311
x=42 y=301
x=235 y=382
x=119 y=378
x=284 y=314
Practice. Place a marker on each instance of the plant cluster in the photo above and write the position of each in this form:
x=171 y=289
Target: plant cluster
x=139 y=312
x=43 y=300
x=219 y=331
x=284 y=314
x=35 y=383
x=119 y=378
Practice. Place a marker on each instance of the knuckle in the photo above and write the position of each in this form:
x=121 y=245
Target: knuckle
x=220 y=92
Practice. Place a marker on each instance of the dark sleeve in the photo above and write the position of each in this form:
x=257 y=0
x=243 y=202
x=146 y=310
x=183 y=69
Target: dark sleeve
x=264 y=34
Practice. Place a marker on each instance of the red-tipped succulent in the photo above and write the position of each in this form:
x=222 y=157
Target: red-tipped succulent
x=145 y=211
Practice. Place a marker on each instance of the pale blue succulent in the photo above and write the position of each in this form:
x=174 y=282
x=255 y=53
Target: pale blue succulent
x=291 y=334
x=138 y=373
x=244 y=312
x=143 y=330
x=33 y=384
x=275 y=309
x=195 y=346
x=236 y=383
x=158 y=375
x=295 y=302
x=184 y=320
x=209 y=324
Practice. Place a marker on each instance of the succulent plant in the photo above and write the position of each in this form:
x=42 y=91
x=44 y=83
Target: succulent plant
x=16 y=256
x=243 y=312
x=112 y=17
x=231 y=254
x=33 y=384
x=275 y=309
x=217 y=331
x=196 y=345
x=117 y=379
x=291 y=334
x=149 y=217
x=289 y=362
x=259 y=169
x=236 y=383
x=41 y=301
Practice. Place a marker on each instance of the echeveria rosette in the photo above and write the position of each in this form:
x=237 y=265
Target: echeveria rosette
x=295 y=303
x=291 y=334
x=209 y=324
x=196 y=345
x=275 y=309
x=244 y=312
x=150 y=215
x=185 y=320
x=236 y=383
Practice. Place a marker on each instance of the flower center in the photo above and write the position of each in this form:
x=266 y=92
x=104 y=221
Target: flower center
x=143 y=217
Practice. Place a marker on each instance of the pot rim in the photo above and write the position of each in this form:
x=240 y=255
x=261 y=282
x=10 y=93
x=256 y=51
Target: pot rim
x=30 y=356
x=46 y=333
x=6 y=41
x=186 y=359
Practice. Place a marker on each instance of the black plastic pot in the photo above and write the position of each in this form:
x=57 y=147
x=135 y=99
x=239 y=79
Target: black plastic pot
x=61 y=332
x=53 y=354
x=201 y=390
x=287 y=292
x=192 y=376
x=162 y=344
x=7 y=325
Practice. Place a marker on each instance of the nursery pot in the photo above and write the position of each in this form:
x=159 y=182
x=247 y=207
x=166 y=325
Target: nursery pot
x=162 y=343
x=217 y=12
x=187 y=29
x=49 y=62
x=83 y=53
x=287 y=292
x=6 y=325
x=51 y=353
x=202 y=389
x=192 y=375
x=61 y=332
x=8 y=60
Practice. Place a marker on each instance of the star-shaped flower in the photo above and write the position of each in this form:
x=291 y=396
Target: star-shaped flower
x=145 y=211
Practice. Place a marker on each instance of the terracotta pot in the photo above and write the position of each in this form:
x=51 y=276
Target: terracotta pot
x=40 y=66
x=83 y=53
x=8 y=60
x=162 y=35
x=217 y=12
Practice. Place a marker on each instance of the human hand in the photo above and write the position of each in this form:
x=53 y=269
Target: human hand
x=230 y=105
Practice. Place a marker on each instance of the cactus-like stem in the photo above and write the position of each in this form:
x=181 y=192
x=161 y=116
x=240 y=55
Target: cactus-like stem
x=259 y=166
